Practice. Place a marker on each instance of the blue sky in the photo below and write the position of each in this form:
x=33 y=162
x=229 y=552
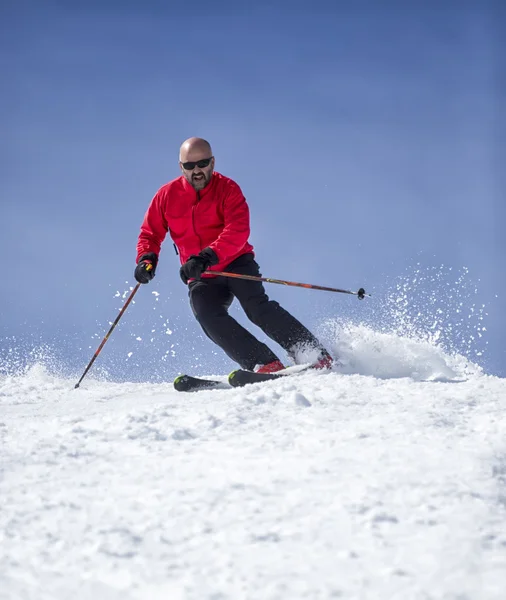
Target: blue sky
x=367 y=139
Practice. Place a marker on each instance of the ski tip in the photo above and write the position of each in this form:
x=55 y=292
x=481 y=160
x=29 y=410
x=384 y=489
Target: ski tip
x=181 y=383
x=232 y=375
x=187 y=383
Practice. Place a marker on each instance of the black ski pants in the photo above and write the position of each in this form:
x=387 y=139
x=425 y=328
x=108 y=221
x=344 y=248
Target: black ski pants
x=210 y=299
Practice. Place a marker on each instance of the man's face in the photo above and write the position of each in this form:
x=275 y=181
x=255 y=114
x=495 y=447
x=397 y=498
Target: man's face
x=197 y=167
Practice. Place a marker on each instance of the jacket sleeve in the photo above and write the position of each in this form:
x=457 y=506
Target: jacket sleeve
x=236 y=228
x=154 y=227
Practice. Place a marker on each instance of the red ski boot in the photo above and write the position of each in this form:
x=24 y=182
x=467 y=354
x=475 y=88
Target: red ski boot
x=272 y=367
x=325 y=362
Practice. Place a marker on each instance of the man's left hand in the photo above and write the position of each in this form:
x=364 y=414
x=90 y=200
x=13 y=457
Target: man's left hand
x=197 y=264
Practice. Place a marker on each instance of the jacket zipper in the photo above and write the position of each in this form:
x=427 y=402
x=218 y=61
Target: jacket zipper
x=193 y=219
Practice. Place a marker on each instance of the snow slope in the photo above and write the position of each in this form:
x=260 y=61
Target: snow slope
x=384 y=479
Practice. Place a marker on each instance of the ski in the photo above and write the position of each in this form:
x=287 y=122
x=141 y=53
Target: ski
x=187 y=383
x=238 y=378
x=241 y=377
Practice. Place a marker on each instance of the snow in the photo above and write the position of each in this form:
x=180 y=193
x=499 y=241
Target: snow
x=383 y=479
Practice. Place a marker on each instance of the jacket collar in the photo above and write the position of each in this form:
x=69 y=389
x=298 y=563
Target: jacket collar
x=189 y=188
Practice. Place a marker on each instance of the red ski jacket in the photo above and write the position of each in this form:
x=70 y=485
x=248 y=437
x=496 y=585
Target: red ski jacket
x=216 y=217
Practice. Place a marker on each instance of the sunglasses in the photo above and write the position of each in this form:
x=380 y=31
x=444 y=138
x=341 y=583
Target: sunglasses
x=201 y=164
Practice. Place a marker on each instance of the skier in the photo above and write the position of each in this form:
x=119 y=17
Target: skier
x=207 y=218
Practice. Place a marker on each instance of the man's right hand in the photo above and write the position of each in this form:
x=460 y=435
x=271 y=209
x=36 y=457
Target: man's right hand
x=146 y=267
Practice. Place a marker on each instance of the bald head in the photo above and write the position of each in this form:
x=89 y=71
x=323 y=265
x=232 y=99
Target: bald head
x=194 y=148
x=197 y=162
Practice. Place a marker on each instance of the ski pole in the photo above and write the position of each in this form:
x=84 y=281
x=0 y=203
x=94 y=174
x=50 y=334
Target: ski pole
x=129 y=299
x=360 y=293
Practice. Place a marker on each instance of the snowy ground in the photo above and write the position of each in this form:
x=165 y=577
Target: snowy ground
x=386 y=480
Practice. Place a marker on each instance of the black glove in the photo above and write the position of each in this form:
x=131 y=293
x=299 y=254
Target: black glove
x=146 y=267
x=197 y=264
